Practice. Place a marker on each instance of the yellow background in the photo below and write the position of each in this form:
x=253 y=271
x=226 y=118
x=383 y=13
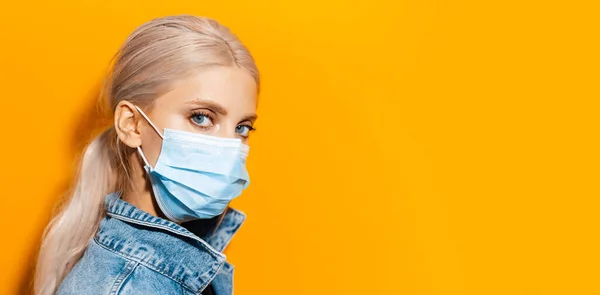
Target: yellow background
x=403 y=147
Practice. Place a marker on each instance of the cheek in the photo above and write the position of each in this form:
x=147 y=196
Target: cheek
x=178 y=122
x=151 y=146
x=152 y=142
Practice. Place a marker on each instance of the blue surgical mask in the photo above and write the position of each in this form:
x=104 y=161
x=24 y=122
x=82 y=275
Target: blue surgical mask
x=196 y=175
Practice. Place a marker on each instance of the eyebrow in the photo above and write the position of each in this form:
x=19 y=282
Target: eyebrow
x=209 y=104
x=252 y=118
x=213 y=105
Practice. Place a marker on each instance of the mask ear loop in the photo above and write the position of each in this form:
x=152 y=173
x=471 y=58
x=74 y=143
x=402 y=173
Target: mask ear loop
x=143 y=157
x=139 y=149
x=149 y=122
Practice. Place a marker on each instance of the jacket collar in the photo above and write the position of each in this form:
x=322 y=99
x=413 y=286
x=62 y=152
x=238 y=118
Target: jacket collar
x=151 y=240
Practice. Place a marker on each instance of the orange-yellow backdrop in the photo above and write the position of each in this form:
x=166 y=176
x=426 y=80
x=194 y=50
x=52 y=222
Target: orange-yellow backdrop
x=404 y=147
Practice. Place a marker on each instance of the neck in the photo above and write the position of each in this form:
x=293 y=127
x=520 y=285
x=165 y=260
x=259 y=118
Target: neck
x=139 y=192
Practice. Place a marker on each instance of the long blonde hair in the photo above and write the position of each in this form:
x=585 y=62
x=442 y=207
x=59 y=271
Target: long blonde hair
x=156 y=54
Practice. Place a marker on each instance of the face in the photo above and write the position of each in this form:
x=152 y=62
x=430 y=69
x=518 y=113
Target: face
x=219 y=102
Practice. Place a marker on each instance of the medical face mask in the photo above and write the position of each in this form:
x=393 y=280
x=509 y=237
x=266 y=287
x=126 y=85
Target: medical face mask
x=196 y=175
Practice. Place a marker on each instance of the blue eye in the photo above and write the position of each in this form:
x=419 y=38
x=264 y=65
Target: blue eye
x=202 y=120
x=243 y=130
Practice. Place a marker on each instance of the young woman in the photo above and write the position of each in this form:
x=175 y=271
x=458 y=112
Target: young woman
x=149 y=211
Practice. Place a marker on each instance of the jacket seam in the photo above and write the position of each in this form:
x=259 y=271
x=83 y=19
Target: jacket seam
x=122 y=277
x=212 y=277
x=236 y=230
x=151 y=267
x=213 y=252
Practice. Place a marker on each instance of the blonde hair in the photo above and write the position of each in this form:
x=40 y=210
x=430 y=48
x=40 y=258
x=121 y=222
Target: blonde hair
x=156 y=54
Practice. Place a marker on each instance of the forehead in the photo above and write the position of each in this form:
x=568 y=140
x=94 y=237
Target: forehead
x=231 y=87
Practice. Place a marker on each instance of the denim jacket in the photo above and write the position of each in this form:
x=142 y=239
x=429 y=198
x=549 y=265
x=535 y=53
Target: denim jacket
x=135 y=253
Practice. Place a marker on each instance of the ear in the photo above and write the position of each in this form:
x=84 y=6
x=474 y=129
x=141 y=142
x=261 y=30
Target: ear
x=127 y=124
